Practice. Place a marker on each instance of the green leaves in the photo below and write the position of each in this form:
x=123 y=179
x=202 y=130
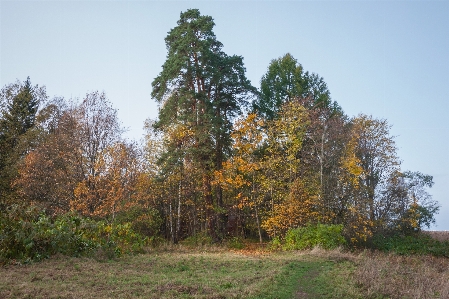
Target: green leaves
x=282 y=82
x=307 y=237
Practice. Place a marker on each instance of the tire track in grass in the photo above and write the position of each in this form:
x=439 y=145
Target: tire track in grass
x=300 y=279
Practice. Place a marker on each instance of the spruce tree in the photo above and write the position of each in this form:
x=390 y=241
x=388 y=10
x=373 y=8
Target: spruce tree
x=17 y=119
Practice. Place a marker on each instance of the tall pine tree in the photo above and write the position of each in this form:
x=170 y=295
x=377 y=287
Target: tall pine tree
x=201 y=89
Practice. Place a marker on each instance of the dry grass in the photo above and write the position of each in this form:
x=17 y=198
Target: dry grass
x=171 y=273
x=336 y=255
x=166 y=275
x=392 y=276
x=403 y=276
x=178 y=272
x=438 y=235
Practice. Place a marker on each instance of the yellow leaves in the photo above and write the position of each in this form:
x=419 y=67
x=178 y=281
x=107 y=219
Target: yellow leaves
x=297 y=209
x=410 y=219
x=247 y=135
x=352 y=165
x=358 y=225
x=179 y=132
x=239 y=175
x=371 y=150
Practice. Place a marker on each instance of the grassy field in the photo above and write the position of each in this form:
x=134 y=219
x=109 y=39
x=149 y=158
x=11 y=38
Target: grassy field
x=220 y=273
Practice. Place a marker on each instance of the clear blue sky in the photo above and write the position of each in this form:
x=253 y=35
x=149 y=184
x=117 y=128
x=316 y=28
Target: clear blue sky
x=389 y=59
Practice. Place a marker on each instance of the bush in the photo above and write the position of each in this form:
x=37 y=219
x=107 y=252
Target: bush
x=325 y=236
x=235 y=243
x=199 y=239
x=407 y=244
x=123 y=236
x=145 y=221
x=28 y=236
x=275 y=244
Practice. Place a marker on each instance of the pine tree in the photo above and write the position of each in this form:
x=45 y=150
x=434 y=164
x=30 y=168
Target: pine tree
x=201 y=89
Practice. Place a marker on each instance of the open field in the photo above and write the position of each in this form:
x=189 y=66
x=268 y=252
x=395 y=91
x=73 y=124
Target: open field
x=219 y=273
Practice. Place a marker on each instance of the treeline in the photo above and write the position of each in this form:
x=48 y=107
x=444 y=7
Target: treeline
x=223 y=158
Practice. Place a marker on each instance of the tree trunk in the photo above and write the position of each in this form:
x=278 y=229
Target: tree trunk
x=210 y=217
x=258 y=226
x=172 y=236
x=178 y=219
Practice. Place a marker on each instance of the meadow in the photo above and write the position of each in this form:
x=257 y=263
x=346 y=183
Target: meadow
x=219 y=272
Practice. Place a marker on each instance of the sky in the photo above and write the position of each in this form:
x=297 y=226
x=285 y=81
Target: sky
x=388 y=59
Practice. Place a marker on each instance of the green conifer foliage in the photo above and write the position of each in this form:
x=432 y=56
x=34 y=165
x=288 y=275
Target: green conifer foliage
x=16 y=120
x=200 y=89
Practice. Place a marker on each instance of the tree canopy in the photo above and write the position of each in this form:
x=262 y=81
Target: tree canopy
x=223 y=159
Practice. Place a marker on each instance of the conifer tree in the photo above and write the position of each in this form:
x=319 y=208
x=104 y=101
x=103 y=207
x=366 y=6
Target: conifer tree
x=201 y=89
x=16 y=120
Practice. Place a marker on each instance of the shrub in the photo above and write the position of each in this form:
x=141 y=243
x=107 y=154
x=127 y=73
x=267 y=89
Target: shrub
x=145 y=221
x=235 y=243
x=275 y=244
x=125 y=238
x=198 y=239
x=28 y=236
x=325 y=236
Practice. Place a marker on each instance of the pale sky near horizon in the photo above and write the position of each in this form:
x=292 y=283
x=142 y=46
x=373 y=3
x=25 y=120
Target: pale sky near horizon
x=389 y=59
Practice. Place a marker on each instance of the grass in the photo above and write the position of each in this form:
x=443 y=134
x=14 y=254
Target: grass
x=209 y=272
x=438 y=235
x=180 y=273
x=396 y=276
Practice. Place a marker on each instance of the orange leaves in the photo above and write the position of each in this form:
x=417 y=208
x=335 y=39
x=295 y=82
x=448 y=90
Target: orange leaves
x=297 y=209
x=239 y=174
x=114 y=185
x=248 y=135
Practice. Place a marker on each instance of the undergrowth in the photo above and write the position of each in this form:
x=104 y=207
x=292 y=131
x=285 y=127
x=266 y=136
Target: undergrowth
x=310 y=236
x=411 y=244
x=28 y=236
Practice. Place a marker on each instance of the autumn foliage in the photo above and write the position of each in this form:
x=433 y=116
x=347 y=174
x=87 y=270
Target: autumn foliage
x=223 y=159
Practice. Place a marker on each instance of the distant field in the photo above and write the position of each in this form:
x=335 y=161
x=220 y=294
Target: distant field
x=221 y=273
x=439 y=235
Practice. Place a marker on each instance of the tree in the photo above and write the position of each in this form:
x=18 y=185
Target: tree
x=241 y=175
x=202 y=89
x=49 y=173
x=73 y=141
x=118 y=167
x=325 y=134
x=282 y=164
x=20 y=103
x=416 y=209
x=323 y=146
x=283 y=81
x=286 y=80
x=371 y=167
